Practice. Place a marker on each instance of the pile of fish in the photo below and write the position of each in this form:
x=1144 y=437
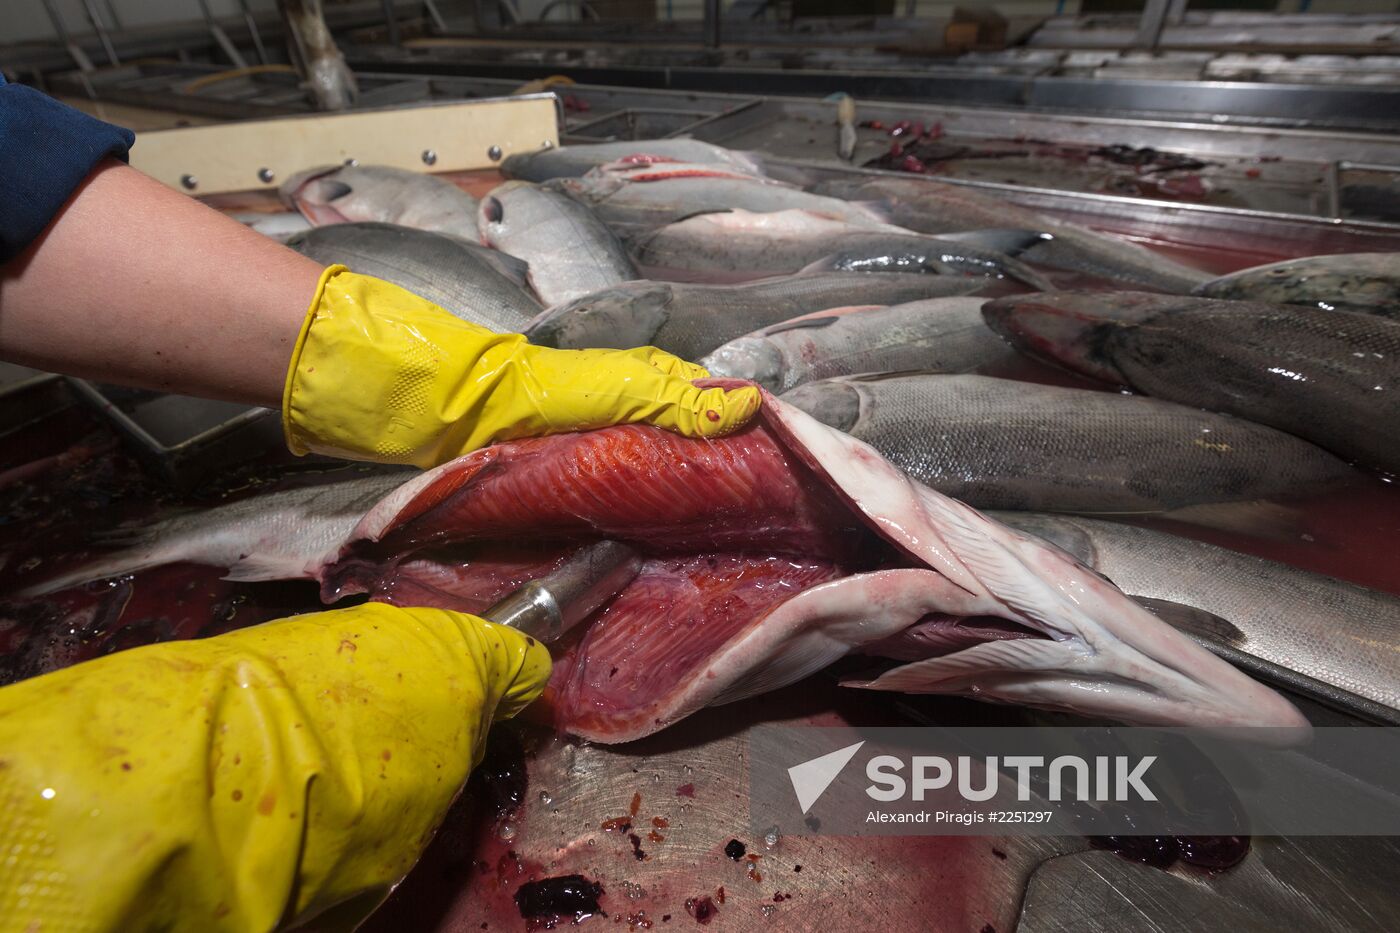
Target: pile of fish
x=899 y=321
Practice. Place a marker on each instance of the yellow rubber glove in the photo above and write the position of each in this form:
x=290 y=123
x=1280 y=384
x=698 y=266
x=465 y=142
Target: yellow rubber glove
x=257 y=779
x=381 y=374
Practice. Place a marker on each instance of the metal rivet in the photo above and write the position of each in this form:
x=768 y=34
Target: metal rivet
x=266 y=175
x=547 y=144
x=494 y=153
x=429 y=157
x=189 y=181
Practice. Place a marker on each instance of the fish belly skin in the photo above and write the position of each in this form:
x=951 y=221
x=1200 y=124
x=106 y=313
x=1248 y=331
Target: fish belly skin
x=1334 y=631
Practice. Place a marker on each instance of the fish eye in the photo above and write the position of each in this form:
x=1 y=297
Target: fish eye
x=494 y=210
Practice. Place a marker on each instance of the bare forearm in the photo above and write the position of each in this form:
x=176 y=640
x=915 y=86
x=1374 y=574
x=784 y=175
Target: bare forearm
x=137 y=284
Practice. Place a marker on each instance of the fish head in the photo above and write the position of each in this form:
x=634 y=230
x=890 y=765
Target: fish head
x=511 y=207
x=1071 y=329
x=624 y=316
x=833 y=402
x=322 y=195
x=751 y=358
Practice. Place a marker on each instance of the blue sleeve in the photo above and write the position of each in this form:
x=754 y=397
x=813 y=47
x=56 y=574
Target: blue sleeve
x=46 y=150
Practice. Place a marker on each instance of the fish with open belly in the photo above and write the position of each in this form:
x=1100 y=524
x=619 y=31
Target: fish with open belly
x=769 y=554
x=1331 y=377
x=574 y=161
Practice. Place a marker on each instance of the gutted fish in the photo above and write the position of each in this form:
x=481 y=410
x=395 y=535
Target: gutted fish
x=768 y=554
x=787 y=241
x=570 y=252
x=936 y=207
x=473 y=282
x=1367 y=283
x=574 y=161
x=937 y=335
x=773 y=552
x=1331 y=630
x=340 y=194
x=1004 y=444
x=1331 y=377
x=690 y=320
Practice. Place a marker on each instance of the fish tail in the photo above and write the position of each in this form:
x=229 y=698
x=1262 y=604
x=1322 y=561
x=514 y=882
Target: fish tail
x=139 y=550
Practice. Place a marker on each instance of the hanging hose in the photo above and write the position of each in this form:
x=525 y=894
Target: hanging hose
x=206 y=80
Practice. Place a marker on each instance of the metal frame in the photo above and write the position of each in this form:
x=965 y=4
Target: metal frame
x=450 y=136
x=1236 y=103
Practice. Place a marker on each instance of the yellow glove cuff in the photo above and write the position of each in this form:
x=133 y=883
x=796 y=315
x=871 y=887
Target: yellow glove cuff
x=381 y=374
x=251 y=780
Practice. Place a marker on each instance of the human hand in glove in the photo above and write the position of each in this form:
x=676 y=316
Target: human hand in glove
x=381 y=374
x=261 y=778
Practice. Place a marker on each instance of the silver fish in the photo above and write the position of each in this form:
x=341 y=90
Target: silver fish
x=999 y=443
x=690 y=320
x=1337 y=632
x=573 y=161
x=1332 y=377
x=782 y=242
x=570 y=252
x=628 y=201
x=938 y=207
x=475 y=283
x=278 y=536
x=1367 y=283
x=346 y=193
x=938 y=335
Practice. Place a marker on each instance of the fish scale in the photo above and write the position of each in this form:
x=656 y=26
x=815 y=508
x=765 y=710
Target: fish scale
x=477 y=284
x=997 y=443
x=1332 y=377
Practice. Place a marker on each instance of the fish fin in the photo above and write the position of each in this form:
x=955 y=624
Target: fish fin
x=801 y=657
x=1256 y=518
x=1011 y=241
x=1023 y=273
x=833 y=263
x=800 y=323
x=984 y=668
x=118 y=564
x=128 y=536
x=1195 y=622
x=694 y=214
